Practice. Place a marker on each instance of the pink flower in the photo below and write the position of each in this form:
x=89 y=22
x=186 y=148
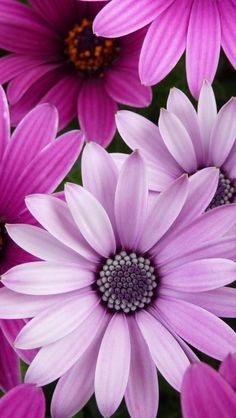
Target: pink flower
x=185 y=141
x=31 y=161
x=56 y=58
x=23 y=401
x=199 y=26
x=207 y=393
x=128 y=277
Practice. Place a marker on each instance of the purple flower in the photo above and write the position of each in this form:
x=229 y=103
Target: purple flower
x=207 y=393
x=199 y=26
x=23 y=401
x=128 y=277
x=185 y=141
x=56 y=58
x=31 y=160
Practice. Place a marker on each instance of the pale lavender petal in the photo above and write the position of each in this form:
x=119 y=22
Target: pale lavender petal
x=206 y=394
x=203 y=44
x=141 y=394
x=32 y=278
x=91 y=219
x=162 y=215
x=9 y=365
x=228 y=370
x=4 y=122
x=113 y=363
x=131 y=201
x=198 y=327
x=177 y=141
x=23 y=401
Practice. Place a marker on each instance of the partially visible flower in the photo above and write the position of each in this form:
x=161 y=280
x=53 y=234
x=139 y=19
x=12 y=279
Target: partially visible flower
x=31 y=160
x=23 y=401
x=207 y=393
x=199 y=26
x=56 y=58
x=186 y=141
x=128 y=277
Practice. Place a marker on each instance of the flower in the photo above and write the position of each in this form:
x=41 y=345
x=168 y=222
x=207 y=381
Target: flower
x=200 y=26
x=31 y=160
x=20 y=400
x=56 y=58
x=207 y=393
x=185 y=141
x=122 y=286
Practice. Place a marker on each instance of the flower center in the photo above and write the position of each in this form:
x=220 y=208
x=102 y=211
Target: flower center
x=127 y=282
x=225 y=192
x=90 y=54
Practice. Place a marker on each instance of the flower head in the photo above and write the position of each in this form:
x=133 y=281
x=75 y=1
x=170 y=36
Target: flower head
x=127 y=278
x=56 y=58
x=186 y=141
x=199 y=26
x=31 y=160
x=207 y=393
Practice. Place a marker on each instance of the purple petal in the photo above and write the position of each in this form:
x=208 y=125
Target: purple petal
x=9 y=365
x=113 y=363
x=228 y=370
x=24 y=401
x=12 y=65
x=228 y=17
x=4 y=123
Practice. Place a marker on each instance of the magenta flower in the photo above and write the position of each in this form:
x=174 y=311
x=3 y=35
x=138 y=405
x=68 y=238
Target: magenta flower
x=128 y=277
x=24 y=401
x=31 y=160
x=56 y=58
x=185 y=141
x=207 y=393
x=199 y=26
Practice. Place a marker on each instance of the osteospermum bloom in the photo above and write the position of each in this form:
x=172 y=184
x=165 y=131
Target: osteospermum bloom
x=31 y=160
x=186 y=141
x=56 y=58
x=199 y=26
x=122 y=285
x=207 y=393
x=23 y=401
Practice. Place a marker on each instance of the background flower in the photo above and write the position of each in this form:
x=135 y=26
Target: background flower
x=93 y=324
x=56 y=58
x=199 y=26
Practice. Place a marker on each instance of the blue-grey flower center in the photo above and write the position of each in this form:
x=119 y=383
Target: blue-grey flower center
x=127 y=282
x=225 y=192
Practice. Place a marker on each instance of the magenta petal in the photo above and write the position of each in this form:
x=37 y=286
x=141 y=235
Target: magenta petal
x=13 y=64
x=206 y=394
x=228 y=369
x=112 y=370
x=9 y=365
x=24 y=401
x=228 y=17
x=4 y=123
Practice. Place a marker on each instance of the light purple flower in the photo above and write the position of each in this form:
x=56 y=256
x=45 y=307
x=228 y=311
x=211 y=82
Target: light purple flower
x=199 y=26
x=56 y=58
x=207 y=393
x=31 y=161
x=24 y=401
x=110 y=236
x=185 y=141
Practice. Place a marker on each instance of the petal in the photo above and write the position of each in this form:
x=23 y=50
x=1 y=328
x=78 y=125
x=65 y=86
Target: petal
x=4 y=122
x=96 y=112
x=228 y=16
x=206 y=394
x=177 y=141
x=228 y=369
x=131 y=201
x=201 y=275
x=91 y=219
x=18 y=402
x=141 y=394
x=47 y=278
x=12 y=65
x=118 y=18
x=162 y=215
x=112 y=370
x=198 y=327
x=9 y=365
x=203 y=44
x=166 y=352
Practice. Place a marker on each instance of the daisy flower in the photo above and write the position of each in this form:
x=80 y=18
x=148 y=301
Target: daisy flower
x=207 y=393
x=55 y=57
x=23 y=401
x=122 y=285
x=199 y=26
x=31 y=161
x=185 y=141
